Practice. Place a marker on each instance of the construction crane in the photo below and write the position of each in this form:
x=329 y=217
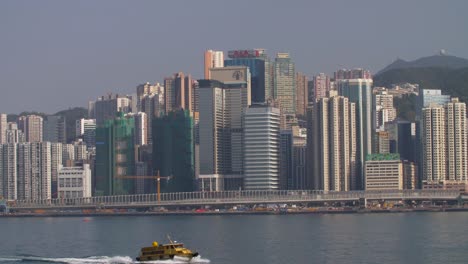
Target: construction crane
x=156 y=177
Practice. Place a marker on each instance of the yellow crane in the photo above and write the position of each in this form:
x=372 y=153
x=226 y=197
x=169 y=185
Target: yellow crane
x=156 y=177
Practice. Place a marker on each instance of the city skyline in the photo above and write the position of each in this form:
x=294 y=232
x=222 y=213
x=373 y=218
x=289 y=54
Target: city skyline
x=51 y=51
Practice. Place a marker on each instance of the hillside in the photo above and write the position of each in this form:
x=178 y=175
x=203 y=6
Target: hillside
x=451 y=81
x=437 y=61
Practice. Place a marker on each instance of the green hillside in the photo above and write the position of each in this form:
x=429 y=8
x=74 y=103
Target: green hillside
x=453 y=82
x=450 y=81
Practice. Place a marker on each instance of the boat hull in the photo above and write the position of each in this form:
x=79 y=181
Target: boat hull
x=184 y=257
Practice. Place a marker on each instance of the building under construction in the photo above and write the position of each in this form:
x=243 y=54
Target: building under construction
x=173 y=153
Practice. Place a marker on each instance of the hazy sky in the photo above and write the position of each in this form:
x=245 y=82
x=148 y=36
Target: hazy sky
x=60 y=54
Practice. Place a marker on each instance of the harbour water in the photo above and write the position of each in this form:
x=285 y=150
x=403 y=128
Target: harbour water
x=238 y=239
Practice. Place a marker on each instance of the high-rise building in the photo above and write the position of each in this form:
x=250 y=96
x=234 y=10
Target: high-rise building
x=382 y=142
x=319 y=87
x=56 y=156
x=115 y=156
x=213 y=59
x=106 y=107
x=178 y=92
x=173 y=150
x=427 y=97
x=141 y=128
x=86 y=129
x=383 y=109
x=13 y=134
x=145 y=90
x=260 y=68
x=410 y=175
x=220 y=125
x=8 y=171
x=261 y=148
x=34 y=171
x=286 y=159
x=302 y=98
x=357 y=73
x=32 y=127
x=359 y=91
x=74 y=182
x=68 y=155
x=433 y=144
x=383 y=172
x=284 y=83
x=456 y=141
x=331 y=144
x=153 y=107
x=54 y=129
x=3 y=128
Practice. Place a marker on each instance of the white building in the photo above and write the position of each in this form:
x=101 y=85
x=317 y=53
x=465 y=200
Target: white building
x=383 y=172
x=34 y=171
x=8 y=171
x=74 y=182
x=261 y=148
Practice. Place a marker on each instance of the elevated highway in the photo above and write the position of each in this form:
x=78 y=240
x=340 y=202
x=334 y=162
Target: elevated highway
x=231 y=198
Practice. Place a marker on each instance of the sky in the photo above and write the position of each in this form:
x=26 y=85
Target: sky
x=55 y=55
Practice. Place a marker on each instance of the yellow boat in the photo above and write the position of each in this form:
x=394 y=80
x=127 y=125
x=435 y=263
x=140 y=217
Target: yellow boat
x=166 y=251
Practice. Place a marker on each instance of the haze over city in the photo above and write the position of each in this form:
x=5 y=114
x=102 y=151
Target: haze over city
x=56 y=55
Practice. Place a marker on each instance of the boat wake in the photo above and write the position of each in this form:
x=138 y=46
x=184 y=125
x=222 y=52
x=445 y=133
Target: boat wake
x=94 y=260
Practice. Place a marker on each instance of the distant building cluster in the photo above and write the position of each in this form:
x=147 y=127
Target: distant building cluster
x=251 y=123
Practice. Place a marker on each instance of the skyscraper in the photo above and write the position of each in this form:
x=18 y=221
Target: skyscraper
x=220 y=125
x=86 y=128
x=173 y=150
x=331 y=142
x=302 y=98
x=260 y=68
x=54 y=128
x=457 y=156
x=3 y=128
x=359 y=91
x=34 y=171
x=55 y=165
x=357 y=73
x=178 y=92
x=13 y=134
x=141 y=128
x=261 y=148
x=383 y=109
x=106 y=107
x=284 y=83
x=213 y=59
x=320 y=87
x=8 y=171
x=433 y=144
x=145 y=90
x=115 y=156
x=32 y=127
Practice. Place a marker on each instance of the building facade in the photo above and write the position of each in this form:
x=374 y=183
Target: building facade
x=213 y=59
x=383 y=172
x=284 y=88
x=115 y=156
x=332 y=144
x=260 y=68
x=359 y=91
x=74 y=182
x=261 y=148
